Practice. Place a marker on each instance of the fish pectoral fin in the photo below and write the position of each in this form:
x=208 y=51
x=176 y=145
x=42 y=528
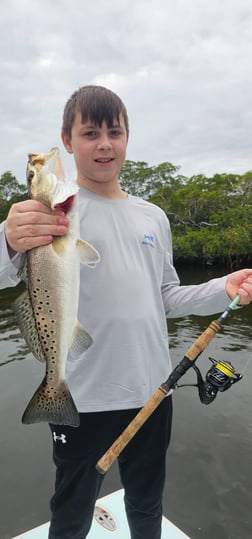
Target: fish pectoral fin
x=81 y=342
x=23 y=311
x=87 y=253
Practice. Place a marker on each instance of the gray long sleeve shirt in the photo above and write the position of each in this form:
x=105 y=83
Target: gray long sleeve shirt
x=124 y=302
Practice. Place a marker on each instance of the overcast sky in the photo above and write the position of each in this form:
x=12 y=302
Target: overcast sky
x=183 y=69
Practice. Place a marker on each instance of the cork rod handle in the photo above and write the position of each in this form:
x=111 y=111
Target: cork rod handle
x=116 y=448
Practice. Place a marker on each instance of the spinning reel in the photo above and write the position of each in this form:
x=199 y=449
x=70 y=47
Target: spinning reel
x=220 y=377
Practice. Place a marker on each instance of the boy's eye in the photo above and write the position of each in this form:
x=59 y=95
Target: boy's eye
x=115 y=132
x=90 y=133
x=94 y=133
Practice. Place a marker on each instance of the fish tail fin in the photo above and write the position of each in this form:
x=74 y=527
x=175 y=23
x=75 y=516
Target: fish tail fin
x=52 y=406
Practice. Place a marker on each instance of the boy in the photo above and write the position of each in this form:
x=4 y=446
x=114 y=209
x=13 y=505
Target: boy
x=124 y=303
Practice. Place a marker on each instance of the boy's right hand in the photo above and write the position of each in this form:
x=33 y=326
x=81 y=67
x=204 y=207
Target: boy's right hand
x=32 y=224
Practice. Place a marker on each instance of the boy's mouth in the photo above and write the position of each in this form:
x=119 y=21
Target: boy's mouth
x=104 y=160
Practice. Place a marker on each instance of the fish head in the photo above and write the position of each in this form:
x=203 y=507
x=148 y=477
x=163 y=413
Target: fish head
x=45 y=180
x=42 y=171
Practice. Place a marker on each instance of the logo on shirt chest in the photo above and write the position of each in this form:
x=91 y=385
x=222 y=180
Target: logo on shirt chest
x=148 y=240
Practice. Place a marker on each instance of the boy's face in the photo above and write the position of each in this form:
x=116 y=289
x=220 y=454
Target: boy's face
x=99 y=152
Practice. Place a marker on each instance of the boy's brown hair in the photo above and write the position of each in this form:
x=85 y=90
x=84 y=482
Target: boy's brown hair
x=96 y=104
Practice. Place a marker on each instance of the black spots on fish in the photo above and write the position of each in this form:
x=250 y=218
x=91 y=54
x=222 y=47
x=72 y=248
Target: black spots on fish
x=53 y=404
x=50 y=373
x=38 y=294
x=47 y=339
x=38 y=291
x=45 y=321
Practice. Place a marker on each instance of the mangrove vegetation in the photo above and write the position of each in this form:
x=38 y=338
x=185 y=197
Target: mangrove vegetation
x=210 y=217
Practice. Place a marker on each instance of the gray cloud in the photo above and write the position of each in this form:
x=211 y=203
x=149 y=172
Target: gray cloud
x=183 y=70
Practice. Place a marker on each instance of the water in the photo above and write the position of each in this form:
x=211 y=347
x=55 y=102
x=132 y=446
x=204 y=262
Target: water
x=208 y=489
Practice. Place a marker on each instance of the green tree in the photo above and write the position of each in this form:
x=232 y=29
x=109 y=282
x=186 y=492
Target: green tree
x=210 y=218
x=10 y=192
x=138 y=178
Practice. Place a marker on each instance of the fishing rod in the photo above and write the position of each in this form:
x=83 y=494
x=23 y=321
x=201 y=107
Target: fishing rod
x=220 y=377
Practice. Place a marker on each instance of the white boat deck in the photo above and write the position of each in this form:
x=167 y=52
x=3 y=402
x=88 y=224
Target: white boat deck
x=109 y=522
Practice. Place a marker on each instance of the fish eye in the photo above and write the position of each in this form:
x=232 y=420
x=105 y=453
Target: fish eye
x=29 y=176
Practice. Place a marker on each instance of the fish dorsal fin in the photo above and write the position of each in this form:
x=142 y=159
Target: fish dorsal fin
x=81 y=341
x=87 y=253
x=22 y=308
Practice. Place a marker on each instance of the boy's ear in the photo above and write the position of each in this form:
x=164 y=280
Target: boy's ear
x=66 y=141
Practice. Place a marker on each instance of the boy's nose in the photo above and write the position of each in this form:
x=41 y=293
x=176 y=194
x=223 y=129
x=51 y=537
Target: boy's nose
x=104 y=144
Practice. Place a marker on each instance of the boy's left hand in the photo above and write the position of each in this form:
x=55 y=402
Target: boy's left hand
x=240 y=282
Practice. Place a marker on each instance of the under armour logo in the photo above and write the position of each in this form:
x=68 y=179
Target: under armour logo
x=62 y=438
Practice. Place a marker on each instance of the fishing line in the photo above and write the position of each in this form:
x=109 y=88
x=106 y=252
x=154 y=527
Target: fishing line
x=246 y=365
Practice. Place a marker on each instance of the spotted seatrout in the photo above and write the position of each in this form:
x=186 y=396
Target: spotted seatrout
x=47 y=310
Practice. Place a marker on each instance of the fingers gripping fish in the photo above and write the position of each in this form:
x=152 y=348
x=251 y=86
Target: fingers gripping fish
x=47 y=310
